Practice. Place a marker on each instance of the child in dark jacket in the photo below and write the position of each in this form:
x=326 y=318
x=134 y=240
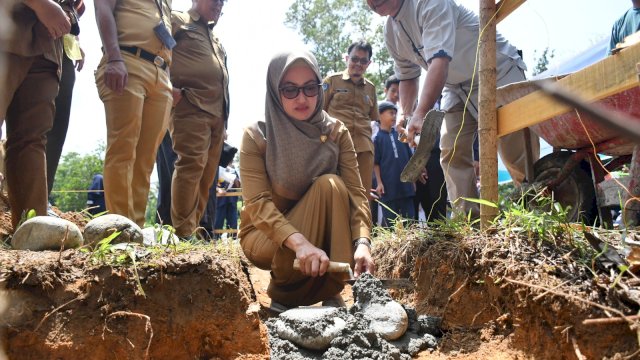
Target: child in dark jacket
x=390 y=157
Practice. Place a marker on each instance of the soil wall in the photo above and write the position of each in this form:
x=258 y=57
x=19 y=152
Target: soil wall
x=195 y=305
x=521 y=307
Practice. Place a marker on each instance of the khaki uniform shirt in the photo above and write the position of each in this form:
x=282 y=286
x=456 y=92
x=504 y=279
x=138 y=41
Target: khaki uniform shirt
x=354 y=104
x=200 y=64
x=135 y=20
x=264 y=210
x=30 y=37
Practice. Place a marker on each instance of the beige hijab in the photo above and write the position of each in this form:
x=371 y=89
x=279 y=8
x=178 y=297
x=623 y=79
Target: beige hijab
x=297 y=151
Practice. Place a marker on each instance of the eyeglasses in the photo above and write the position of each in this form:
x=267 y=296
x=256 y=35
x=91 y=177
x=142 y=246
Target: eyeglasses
x=291 y=92
x=362 y=61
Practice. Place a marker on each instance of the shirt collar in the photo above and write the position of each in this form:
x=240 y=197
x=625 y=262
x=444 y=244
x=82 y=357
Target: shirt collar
x=345 y=77
x=196 y=18
x=404 y=8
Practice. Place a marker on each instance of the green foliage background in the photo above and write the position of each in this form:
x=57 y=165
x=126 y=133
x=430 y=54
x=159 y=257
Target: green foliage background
x=75 y=172
x=330 y=26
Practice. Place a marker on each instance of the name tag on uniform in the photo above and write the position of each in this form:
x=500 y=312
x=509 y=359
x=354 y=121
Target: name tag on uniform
x=342 y=90
x=189 y=27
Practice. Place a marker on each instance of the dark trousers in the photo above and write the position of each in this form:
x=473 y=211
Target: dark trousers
x=432 y=196
x=58 y=133
x=165 y=163
x=403 y=207
x=228 y=212
x=30 y=89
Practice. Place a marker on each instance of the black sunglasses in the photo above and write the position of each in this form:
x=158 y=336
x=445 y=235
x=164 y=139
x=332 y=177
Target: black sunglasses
x=291 y=92
x=362 y=61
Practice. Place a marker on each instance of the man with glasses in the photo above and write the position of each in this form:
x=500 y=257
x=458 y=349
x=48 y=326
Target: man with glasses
x=133 y=83
x=351 y=98
x=441 y=37
x=201 y=109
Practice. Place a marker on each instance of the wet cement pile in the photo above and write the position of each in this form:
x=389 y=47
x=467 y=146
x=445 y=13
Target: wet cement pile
x=354 y=337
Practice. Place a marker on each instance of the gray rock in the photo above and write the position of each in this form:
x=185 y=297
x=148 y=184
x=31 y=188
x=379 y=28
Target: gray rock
x=105 y=225
x=152 y=234
x=46 y=233
x=388 y=319
x=311 y=327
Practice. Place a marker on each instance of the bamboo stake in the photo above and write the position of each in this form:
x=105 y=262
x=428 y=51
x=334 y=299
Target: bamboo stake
x=487 y=116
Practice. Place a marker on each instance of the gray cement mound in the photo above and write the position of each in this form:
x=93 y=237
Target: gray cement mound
x=357 y=340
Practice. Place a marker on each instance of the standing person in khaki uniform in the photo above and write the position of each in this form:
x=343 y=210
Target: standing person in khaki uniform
x=351 y=98
x=201 y=97
x=133 y=83
x=32 y=55
x=296 y=204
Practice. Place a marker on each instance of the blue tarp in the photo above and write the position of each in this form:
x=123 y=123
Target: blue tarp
x=578 y=61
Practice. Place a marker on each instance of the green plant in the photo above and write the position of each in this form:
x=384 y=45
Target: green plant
x=103 y=247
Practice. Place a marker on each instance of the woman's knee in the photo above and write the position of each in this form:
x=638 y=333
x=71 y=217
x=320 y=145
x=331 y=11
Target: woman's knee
x=329 y=182
x=259 y=252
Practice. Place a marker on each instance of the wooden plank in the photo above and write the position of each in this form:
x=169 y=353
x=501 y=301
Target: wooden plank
x=607 y=77
x=487 y=117
x=229 y=193
x=506 y=7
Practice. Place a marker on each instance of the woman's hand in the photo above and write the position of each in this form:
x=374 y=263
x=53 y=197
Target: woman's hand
x=363 y=260
x=313 y=261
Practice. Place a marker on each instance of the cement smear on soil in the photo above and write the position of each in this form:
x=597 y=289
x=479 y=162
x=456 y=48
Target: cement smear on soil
x=357 y=340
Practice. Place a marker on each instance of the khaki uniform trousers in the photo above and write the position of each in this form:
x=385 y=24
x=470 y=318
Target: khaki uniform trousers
x=27 y=100
x=323 y=217
x=365 y=168
x=136 y=122
x=197 y=140
x=456 y=157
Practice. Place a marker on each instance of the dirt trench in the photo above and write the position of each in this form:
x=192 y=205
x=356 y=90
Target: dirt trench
x=196 y=305
x=497 y=301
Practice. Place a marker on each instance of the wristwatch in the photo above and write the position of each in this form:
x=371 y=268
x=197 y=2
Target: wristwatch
x=361 y=241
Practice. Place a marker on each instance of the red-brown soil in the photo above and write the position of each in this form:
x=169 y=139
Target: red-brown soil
x=197 y=304
x=503 y=300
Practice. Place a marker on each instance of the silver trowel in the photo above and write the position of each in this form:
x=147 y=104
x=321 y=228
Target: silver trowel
x=341 y=267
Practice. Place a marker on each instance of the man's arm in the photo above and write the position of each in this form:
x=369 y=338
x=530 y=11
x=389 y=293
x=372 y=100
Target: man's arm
x=408 y=90
x=431 y=90
x=51 y=16
x=116 y=72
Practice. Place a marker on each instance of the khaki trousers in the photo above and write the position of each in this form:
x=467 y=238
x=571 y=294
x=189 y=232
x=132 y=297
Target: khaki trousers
x=27 y=100
x=323 y=217
x=457 y=157
x=136 y=122
x=365 y=168
x=197 y=140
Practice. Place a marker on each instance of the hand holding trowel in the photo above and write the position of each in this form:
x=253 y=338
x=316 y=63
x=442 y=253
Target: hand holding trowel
x=345 y=268
x=428 y=136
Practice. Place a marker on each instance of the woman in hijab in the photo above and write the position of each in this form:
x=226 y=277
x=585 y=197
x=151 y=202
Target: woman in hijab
x=303 y=195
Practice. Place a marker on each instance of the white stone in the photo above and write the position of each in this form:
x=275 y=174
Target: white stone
x=389 y=320
x=311 y=327
x=46 y=233
x=105 y=225
x=151 y=235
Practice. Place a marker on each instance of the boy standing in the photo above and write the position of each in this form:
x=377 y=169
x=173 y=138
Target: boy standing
x=390 y=157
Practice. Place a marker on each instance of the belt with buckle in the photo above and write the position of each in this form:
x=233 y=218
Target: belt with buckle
x=144 y=54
